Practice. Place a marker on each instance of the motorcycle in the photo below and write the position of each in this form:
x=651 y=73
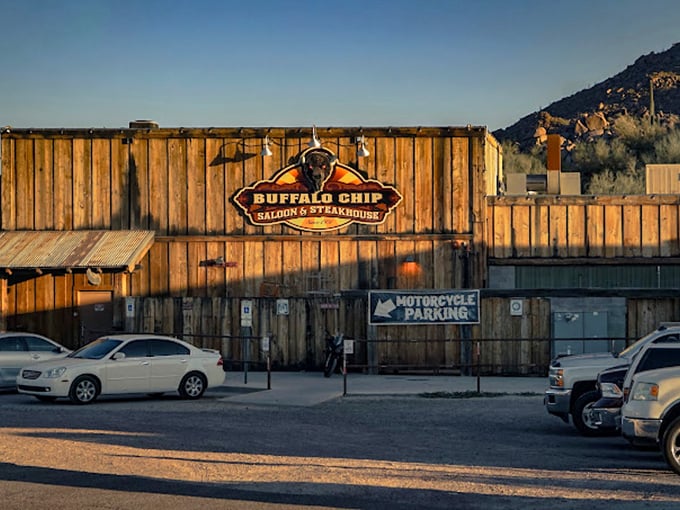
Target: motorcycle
x=334 y=351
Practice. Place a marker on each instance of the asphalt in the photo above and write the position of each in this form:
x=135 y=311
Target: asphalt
x=312 y=388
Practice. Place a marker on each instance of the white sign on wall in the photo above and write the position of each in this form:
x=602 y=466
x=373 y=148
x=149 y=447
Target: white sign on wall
x=246 y=313
x=281 y=307
x=516 y=306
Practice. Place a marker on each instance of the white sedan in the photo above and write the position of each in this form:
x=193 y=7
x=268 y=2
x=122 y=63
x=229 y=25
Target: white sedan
x=120 y=364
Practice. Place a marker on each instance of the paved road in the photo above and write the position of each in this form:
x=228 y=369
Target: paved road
x=358 y=451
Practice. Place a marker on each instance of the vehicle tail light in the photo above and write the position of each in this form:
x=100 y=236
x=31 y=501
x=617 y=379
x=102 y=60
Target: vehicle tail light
x=220 y=362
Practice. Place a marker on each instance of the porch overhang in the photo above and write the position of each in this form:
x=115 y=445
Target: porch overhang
x=34 y=251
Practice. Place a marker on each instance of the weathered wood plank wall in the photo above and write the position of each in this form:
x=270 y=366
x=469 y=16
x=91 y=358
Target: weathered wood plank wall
x=179 y=183
x=609 y=227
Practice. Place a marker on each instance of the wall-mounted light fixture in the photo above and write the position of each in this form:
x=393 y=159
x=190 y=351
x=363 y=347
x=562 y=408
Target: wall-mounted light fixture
x=362 y=151
x=314 y=142
x=217 y=262
x=410 y=266
x=266 y=151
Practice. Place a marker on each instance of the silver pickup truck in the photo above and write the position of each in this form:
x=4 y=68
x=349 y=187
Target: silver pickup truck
x=572 y=379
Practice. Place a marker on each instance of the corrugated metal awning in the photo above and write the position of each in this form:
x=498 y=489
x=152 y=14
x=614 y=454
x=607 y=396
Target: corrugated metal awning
x=35 y=250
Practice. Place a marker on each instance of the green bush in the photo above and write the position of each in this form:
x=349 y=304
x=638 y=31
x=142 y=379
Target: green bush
x=515 y=161
x=608 y=166
x=607 y=182
x=666 y=149
x=638 y=134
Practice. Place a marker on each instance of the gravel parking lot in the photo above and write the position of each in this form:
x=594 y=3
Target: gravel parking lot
x=352 y=452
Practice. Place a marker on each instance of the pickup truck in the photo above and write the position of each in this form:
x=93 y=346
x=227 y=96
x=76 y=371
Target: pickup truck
x=572 y=380
x=651 y=412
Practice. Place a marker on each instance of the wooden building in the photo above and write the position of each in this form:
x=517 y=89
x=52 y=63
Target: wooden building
x=605 y=269
x=208 y=256
x=199 y=233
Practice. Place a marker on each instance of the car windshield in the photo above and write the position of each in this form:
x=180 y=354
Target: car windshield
x=97 y=349
x=632 y=349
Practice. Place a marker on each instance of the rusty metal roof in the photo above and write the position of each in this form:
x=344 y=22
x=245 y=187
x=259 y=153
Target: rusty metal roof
x=73 y=249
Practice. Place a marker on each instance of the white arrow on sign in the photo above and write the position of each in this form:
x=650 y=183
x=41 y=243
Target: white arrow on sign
x=384 y=308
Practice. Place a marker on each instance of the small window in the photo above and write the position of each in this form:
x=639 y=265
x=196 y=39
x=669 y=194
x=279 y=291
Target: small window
x=39 y=344
x=167 y=348
x=12 y=344
x=135 y=349
x=659 y=358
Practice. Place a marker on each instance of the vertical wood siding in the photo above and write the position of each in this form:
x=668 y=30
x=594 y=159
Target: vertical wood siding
x=180 y=184
x=594 y=227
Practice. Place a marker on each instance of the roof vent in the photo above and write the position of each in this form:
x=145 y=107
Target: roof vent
x=143 y=124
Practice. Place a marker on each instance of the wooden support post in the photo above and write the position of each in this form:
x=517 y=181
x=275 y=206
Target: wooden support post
x=3 y=304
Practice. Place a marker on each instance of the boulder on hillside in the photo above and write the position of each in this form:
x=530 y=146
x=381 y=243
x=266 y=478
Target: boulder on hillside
x=596 y=121
x=540 y=135
x=580 y=128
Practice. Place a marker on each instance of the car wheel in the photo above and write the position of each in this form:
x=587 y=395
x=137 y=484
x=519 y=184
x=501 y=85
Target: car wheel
x=581 y=415
x=192 y=386
x=43 y=398
x=84 y=390
x=670 y=445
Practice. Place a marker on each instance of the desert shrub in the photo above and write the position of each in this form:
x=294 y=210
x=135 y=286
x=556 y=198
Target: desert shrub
x=666 y=149
x=607 y=182
x=515 y=161
x=594 y=157
x=638 y=134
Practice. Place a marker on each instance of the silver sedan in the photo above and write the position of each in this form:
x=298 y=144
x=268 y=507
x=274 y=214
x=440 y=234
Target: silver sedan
x=19 y=349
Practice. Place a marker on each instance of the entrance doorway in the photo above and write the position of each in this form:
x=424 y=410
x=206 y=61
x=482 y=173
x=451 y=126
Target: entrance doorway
x=95 y=309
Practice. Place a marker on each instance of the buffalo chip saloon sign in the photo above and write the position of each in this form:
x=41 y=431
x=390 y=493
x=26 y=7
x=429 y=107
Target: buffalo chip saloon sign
x=317 y=193
x=410 y=307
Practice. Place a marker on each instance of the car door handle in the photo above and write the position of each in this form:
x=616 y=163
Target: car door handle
x=144 y=363
x=35 y=356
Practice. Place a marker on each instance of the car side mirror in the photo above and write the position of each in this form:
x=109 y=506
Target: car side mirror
x=118 y=355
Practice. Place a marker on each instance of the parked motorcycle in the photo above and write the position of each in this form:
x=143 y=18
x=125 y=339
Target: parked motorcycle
x=334 y=350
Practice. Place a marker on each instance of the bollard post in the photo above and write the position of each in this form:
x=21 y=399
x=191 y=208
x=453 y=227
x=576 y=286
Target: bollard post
x=344 y=373
x=265 y=347
x=478 y=366
x=269 y=372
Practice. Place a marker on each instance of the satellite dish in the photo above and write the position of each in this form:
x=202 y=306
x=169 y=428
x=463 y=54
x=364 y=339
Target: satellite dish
x=93 y=278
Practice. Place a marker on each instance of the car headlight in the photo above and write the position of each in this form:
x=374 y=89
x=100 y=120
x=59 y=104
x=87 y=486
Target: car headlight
x=645 y=391
x=610 y=390
x=556 y=377
x=55 y=372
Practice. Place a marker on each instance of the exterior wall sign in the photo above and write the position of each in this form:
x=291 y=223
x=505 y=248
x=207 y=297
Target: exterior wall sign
x=317 y=193
x=410 y=307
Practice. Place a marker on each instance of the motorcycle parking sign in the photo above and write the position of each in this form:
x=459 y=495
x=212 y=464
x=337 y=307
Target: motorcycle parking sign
x=409 y=307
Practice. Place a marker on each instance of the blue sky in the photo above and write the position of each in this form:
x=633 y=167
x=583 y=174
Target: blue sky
x=203 y=63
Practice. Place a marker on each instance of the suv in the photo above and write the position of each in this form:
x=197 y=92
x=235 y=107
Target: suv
x=572 y=379
x=615 y=383
x=651 y=412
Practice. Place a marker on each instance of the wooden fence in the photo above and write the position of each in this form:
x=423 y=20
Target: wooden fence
x=588 y=227
x=507 y=344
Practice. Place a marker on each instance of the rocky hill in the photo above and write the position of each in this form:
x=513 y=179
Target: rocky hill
x=651 y=85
